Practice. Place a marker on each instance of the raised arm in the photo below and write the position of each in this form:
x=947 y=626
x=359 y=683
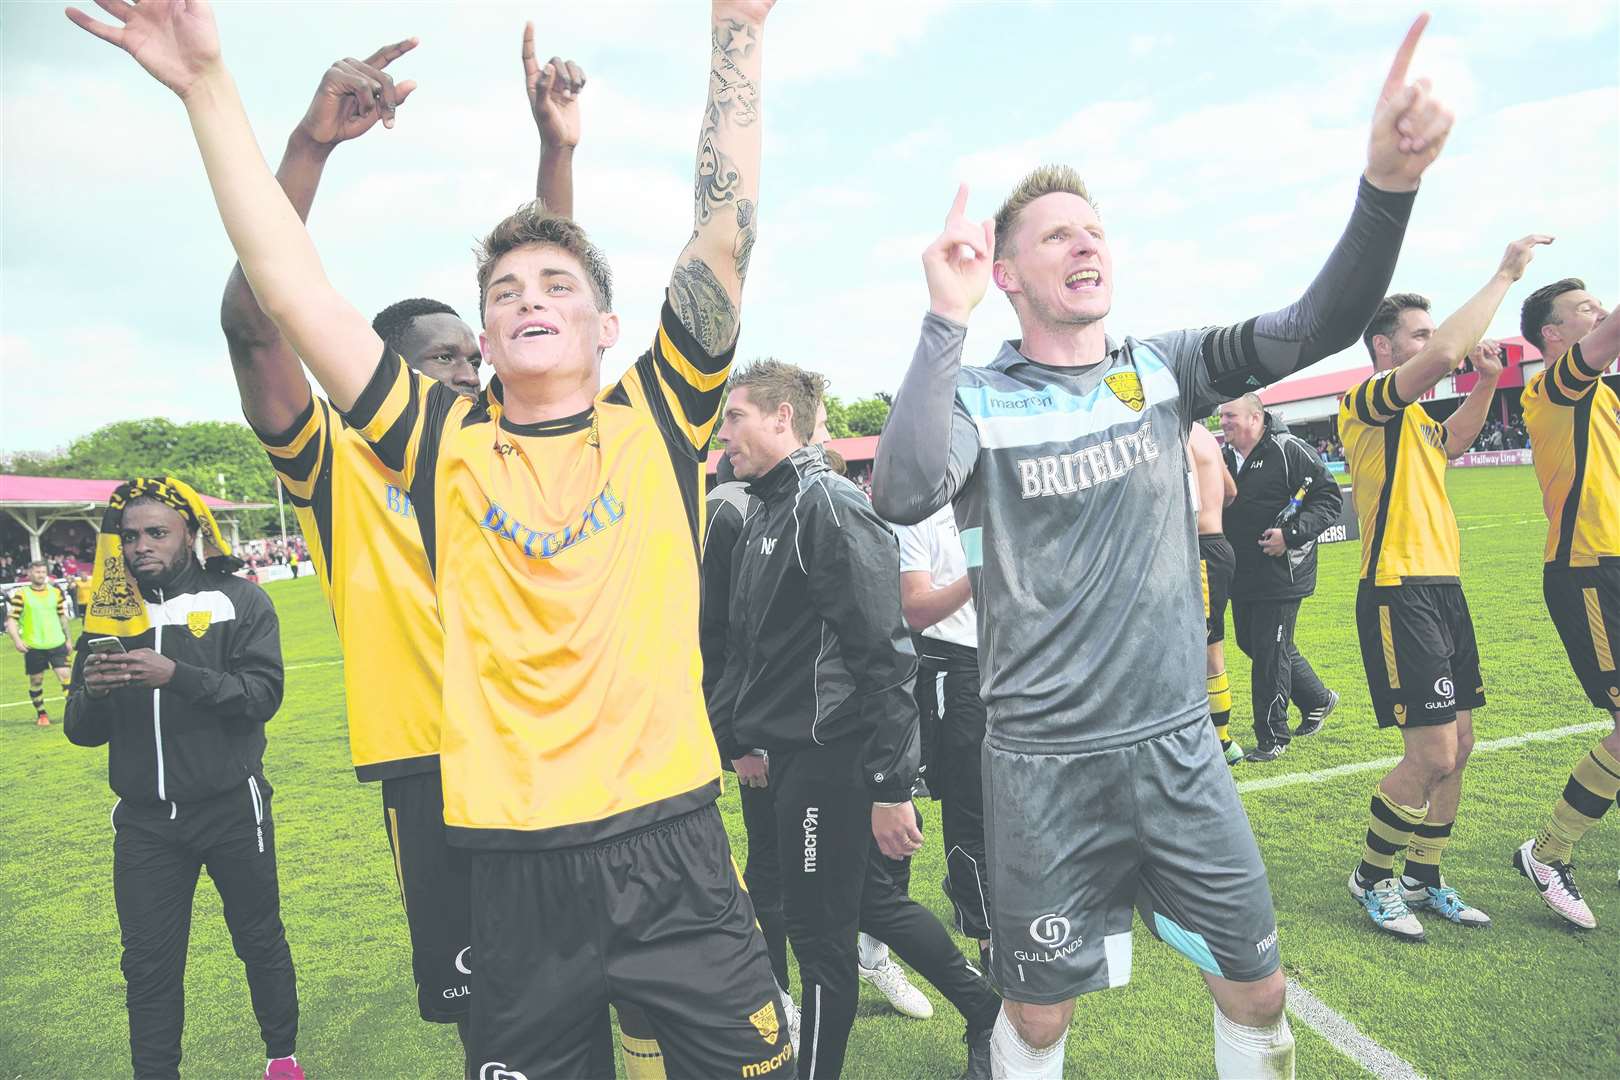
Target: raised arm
x=553 y=90
x=705 y=289
x=176 y=42
x=269 y=378
x=1409 y=128
x=1453 y=338
x=929 y=444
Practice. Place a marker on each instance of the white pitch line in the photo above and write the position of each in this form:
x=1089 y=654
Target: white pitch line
x=1485 y=747
x=1346 y=1037
x=289 y=667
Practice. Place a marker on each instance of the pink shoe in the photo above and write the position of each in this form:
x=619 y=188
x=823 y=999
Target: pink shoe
x=286 y=1068
x=1556 y=883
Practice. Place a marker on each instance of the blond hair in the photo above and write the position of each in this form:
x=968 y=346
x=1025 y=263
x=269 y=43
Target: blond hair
x=1046 y=180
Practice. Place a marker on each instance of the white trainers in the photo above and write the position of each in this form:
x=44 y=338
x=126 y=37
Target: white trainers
x=1387 y=908
x=890 y=980
x=1442 y=901
x=1556 y=883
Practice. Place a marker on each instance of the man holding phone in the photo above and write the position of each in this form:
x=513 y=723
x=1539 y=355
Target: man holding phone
x=177 y=672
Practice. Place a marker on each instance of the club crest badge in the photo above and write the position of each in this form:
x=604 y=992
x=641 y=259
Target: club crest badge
x=765 y=1022
x=1128 y=388
x=198 y=622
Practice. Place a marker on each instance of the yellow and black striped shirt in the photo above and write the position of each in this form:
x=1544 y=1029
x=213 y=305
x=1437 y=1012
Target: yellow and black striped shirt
x=362 y=535
x=1574 y=422
x=566 y=557
x=1397 y=458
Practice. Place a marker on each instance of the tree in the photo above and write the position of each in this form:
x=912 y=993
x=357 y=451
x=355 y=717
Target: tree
x=200 y=453
x=867 y=415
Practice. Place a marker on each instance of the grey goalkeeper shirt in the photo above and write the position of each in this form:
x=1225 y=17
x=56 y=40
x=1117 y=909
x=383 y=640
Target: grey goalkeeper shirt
x=1071 y=494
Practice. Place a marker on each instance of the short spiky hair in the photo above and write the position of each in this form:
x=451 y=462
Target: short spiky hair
x=771 y=382
x=1538 y=309
x=392 y=321
x=532 y=225
x=1388 y=316
x=1046 y=180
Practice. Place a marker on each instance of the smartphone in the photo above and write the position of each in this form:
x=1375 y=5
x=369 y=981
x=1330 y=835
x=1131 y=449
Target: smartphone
x=99 y=645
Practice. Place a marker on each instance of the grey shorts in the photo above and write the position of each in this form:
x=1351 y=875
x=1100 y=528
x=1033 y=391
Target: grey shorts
x=1076 y=841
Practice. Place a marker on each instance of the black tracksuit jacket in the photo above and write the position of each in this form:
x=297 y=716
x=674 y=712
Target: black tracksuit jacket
x=204 y=732
x=818 y=651
x=1267 y=480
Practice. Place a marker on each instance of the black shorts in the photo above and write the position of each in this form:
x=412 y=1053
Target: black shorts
x=657 y=918
x=1216 y=565
x=433 y=885
x=1584 y=602
x=1417 y=644
x=35 y=661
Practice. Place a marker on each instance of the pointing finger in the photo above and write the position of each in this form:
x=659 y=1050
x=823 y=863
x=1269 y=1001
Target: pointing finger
x=389 y=53
x=959 y=205
x=1403 y=58
x=530 y=68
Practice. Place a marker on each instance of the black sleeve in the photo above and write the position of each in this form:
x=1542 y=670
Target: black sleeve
x=853 y=564
x=1323 y=499
x=721 y=678
x=1329 y=316
x=250 y=685
x=86 y=720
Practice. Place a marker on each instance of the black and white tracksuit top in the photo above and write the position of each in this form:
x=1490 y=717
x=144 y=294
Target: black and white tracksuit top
x=204 y=732
x=818 y=650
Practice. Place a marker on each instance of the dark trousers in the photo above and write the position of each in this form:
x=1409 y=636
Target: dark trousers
x=824 y=832
x=948 y=676
x=763 y=873
x=913 y=933
x=158 y=851
x=1265 y=633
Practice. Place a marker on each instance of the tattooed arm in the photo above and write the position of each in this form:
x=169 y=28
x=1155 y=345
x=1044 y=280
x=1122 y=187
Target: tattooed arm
x=706 y=288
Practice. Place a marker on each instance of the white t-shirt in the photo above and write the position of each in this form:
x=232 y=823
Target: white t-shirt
x=935 y=546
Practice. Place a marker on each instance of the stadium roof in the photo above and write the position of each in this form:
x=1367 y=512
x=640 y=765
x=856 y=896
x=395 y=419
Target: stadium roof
x=860 y=448
x=58 y=492
x=38 y=502
x=1334 y=383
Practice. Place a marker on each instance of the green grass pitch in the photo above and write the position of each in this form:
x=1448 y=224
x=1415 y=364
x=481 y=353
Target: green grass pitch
x=1527 y=996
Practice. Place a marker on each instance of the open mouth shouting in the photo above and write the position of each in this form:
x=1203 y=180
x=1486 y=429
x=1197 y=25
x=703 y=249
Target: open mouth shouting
x=533 y=328
x=1083 y=279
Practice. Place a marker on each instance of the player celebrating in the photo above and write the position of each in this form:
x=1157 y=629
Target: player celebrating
x=1216 y=564
x=561 y=524
x=37 y=622
x=1574 y=424
x=1065 y=461
x=362 y=529
x=1417 y=638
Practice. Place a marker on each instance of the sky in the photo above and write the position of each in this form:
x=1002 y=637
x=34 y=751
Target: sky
x=1221 y=141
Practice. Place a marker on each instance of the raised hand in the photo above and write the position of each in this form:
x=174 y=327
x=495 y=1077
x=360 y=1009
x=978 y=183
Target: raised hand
x=174 y=40
x=354 y=95
x=1486 y=358
x=553 y=93
x=957 y=264
x=1409 y=126
x=1519 y=253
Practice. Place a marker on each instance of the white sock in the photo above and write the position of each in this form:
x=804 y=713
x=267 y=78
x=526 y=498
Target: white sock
x=1011 y=1058
x=873 y=952
x=1243 y=1052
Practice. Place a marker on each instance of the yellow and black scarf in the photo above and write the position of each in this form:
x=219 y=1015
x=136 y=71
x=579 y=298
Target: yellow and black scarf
x=116 y=606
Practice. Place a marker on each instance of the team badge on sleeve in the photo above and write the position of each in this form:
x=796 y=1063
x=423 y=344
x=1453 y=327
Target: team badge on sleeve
x=765 y=1022
x=198 y=622
x=1128 y=388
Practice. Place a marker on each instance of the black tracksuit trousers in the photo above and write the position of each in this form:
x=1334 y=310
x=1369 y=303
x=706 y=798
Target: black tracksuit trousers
x=835 y=883
x=1280 y=674
x=948 y=688
x=158 y=851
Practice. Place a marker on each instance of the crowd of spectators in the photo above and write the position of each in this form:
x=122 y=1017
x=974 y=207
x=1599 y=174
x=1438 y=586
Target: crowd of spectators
x=271 y=551
x=1496 y=435
x=1329 y=449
